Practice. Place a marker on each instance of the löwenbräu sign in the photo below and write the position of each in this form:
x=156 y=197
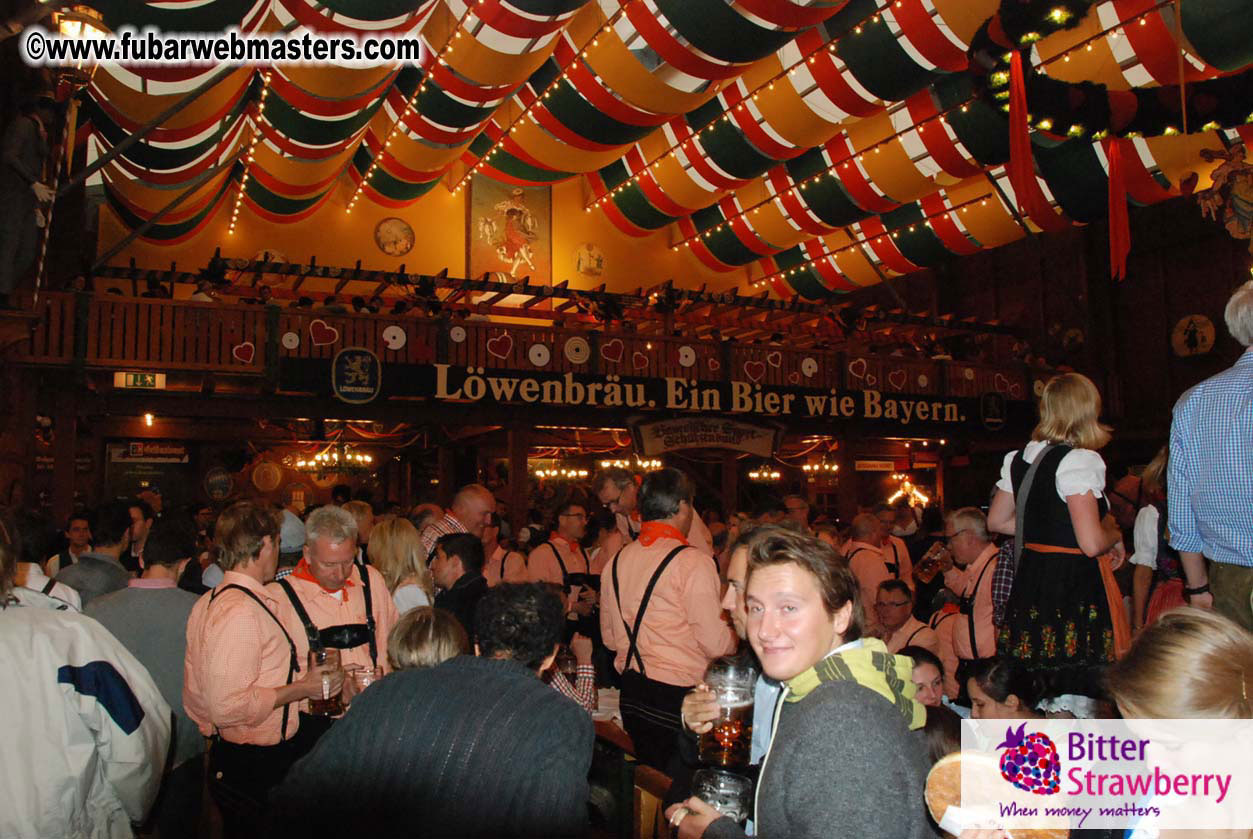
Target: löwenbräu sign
x=475 y=385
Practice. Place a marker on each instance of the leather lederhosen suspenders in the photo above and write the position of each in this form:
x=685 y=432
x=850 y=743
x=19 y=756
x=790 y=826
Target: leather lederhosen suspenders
x=568 y=579
x=315 y=635
x=893 y=567
x=293 y=666
x=913 y=635
x=966 y=606
x=634 y=634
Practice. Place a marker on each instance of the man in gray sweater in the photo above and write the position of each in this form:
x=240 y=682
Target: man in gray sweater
x=99 y=571
x=473 y=747
x=149 y=617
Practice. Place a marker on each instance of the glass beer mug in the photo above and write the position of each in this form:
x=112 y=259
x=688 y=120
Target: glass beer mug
x=729 y=794
x=729 y=742
x=328 y=705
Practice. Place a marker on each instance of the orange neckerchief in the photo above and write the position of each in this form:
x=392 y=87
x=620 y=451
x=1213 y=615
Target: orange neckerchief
x=651 y=531
x=303 y=572
x=554 y=536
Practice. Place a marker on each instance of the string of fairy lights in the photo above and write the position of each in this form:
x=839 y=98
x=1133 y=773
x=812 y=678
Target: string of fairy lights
x=895 y=233
x=997 y=79
x=764 y=87
x=440 y=57
x=812 y=180
x=255 y=141
x=540 y=97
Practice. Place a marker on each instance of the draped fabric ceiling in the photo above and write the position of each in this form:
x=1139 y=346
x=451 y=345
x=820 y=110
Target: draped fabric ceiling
x=836 y=142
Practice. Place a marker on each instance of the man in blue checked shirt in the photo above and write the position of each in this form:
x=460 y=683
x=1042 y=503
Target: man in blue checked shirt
x=1210 y=482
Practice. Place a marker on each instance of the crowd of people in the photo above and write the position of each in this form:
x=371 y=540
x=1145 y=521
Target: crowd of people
x=433 y=672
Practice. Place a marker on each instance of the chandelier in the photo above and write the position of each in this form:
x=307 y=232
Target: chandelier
x=822 y=467
x=559 y=471
x=638 y=464
x=908 y=491
x=337 y=459
x=765 y=474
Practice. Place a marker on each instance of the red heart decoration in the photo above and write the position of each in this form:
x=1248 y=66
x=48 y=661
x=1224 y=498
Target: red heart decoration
x=857 y=368
x=500 y=346
x=754 y=370
x=774 y=359
x=1000 y=383
x=612 y=350
x=794 y=378
x=639 y=361
x=897 y=379
x=715 y=365
x=245 y=352
x=871 y=380
x=1015 y=390
x=322 y=334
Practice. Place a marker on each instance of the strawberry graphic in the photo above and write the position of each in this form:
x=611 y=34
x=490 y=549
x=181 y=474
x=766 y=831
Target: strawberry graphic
x=1030 y=762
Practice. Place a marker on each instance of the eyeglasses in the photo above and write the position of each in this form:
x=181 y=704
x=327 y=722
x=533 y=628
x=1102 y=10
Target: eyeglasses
x=573 y=515
x=888 y=604
x=949 y=537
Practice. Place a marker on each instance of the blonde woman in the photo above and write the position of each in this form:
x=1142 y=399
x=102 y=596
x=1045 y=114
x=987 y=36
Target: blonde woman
x=1157 y=581
x=1190 y=664
x=1058 y=621
x=396 y=551
x=425 y=637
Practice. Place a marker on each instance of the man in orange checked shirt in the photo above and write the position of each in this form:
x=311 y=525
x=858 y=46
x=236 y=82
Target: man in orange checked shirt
x=562 y=561
x=974 y=564
x=332 y=601
x=866 y=561
x=661 y=614
x=242 y=673
x=619 y=491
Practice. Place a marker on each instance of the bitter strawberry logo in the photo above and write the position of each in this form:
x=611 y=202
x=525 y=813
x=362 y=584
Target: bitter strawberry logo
x=1030 y=762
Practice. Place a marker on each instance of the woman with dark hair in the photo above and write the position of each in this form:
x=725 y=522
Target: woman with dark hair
x=845 y=756
x=1002 y=689
x=1058 y=620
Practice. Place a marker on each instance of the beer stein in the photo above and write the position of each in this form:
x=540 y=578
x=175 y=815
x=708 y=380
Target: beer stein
x=728 y=793
x=728 y=743
x=327 y=705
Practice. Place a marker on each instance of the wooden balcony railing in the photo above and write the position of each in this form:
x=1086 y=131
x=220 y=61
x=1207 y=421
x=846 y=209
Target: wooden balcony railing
x=114 y=332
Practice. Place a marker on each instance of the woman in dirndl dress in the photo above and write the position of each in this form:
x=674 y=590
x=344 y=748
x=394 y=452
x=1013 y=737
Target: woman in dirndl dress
x=1058 y=620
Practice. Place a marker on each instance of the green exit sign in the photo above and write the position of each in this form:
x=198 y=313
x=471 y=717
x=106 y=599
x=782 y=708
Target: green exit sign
x=141 y=381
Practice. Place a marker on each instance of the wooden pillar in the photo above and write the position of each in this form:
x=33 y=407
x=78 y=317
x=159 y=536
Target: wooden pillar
x=519 y=479
x=846 y=485
x=64 y=448
x=939 y=484
x=730 y=483
x=17 y=452
x=447 y=473
x=406 y=492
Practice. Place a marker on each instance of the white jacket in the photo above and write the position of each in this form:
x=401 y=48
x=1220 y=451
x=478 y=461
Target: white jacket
x=83 y=729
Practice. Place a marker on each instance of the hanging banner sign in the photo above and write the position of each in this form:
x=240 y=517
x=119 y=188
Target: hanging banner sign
x=145 y=451
x=825 y=409
x=654 y=438
x=455 y=384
